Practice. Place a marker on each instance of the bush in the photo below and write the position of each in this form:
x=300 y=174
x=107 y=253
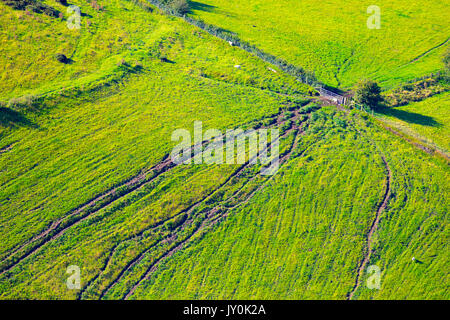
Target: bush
x=173 y=224
x=179 y=6
x=286 y=126
x=287 y=115
x=416 y=91
x=32 y=5
x=61 y=58
x=368 y=93
x=18 y=4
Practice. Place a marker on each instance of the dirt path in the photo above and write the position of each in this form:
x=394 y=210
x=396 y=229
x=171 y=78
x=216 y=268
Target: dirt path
x=90 y=208
x=428 y=51
x=136 y=260
x=373 y=228
x=85 y=211
x=93 y=206
x=58 y=227
x=380 y=209
x=212 y=217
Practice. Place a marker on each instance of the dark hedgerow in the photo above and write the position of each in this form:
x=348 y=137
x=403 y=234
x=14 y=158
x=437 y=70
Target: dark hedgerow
x=302 y=75
x=446 y=60
x=32 y=5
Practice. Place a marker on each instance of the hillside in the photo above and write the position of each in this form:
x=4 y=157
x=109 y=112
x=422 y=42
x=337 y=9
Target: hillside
x=87 y=179
x=332 y=39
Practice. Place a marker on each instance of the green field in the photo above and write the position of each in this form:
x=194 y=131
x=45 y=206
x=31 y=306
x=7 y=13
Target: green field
x=86 y=178
x=331 y=38
x=306 y=241
x=426 y=121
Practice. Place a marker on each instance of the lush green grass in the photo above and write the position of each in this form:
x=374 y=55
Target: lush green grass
x=301 y=237
x=332 y=39
x=295 y=241
x=79 y=142
x=415 y=225
x=82 y=128
x=426 y=121
x=121 y=31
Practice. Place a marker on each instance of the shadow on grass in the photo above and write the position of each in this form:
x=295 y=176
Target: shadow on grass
x=83 y=14
x=410 y=117
x=164 y=59
x=12 y=118
x=194 y=5
x=198 y=6
x=69 y=61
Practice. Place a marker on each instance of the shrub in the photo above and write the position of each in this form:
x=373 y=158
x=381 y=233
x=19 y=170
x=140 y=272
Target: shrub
x=164 y=59
x=51 y=12
x=173 y=224
x=18 y=4
x=32 y=5
x=287 y=115
x=309 y=108
x=179 y=6
x=416 y=91
x=368 y=93
x=286 y=126
x=61 y=58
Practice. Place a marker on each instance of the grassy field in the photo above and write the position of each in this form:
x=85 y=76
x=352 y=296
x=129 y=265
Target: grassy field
x=115 y=128
x=305 y=243
x=30 y=43
x=85 y=179
x=426 y=121
x=332 y=39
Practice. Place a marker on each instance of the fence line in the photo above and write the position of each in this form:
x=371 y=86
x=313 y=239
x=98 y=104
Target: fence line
x=302 y=75
x=337 y=98
x=299 y=73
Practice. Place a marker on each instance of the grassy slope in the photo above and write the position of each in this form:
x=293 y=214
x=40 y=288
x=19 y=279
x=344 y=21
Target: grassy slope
x=331 y=38
x=426 y=121
x=122 y=30
x=301 y=237
x=293 y=241
x=80 y=142
x=85 y=139
x=415 y=225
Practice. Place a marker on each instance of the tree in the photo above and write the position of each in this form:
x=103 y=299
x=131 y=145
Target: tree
x=180 y=6
x=367 y=92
